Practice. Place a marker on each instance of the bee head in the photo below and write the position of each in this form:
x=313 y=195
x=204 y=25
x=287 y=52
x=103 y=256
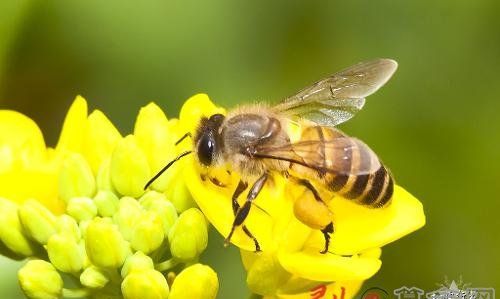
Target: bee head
x=207 y=139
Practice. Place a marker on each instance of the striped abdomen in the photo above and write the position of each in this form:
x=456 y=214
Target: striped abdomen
x=347 y=166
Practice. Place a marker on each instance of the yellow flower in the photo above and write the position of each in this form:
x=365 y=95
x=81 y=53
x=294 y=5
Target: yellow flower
x=92 y=184
x=86 y=210
x=24 y=161
x=290 y=247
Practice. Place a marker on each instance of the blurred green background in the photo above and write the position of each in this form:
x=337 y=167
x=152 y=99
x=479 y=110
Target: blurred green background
x=435 y=124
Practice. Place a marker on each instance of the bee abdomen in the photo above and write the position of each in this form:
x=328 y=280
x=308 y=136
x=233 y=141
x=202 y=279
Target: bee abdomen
x=355 y=172
x=379 y=190
x=374 y=190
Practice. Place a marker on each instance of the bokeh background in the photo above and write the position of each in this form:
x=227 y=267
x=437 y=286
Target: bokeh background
x=435 y=124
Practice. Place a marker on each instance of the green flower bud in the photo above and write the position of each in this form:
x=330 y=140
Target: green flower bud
x=105 y=245
x=76 y=178
x=158 y=203
x=156 y=137
x=145 y=284
x=40 y=280
x=137 y=261
x=37 y=221
x=83 y=228
x=94 y=277
x=5 y=251
x=107 y=203
x=147 y=233
x=81 y=208
x=100 y=138
x=266 y=275
x=103 y=178
x=188 y=237
x=86 y=261
x=68 y=225
x=196 y=281
x=128 y=212
x=180 y=196
x=11 y=232
x=65 y=253
x=129 y=168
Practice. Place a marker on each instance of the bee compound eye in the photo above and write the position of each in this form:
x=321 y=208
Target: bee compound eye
x=206 y=149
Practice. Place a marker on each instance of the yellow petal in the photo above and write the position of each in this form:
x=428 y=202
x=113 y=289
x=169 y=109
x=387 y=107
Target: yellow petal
x=215 y=202
x=358 y=228
x=194 y=109
x=310 y=264
x=42 y=187
x=71 y=138
x=21 y=141
x=100 y=139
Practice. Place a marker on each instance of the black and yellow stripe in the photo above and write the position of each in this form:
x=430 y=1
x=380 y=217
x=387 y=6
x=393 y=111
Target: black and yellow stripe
x=370 y=189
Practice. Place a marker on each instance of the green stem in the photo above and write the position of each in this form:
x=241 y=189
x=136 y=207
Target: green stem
x=75 y=293
x=167 y=265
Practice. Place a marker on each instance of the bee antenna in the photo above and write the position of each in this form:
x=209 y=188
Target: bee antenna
x=260 y=208
x=188 y=134
x=166 y=167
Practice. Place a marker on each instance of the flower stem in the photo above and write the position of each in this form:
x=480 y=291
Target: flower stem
x=76 y=293
x=167 y=265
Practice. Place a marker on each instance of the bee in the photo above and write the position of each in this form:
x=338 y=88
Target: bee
x=255 y=141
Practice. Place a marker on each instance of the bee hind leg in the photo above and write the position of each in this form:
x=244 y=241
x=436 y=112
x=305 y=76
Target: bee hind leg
x=241 y=213
x=327 y=231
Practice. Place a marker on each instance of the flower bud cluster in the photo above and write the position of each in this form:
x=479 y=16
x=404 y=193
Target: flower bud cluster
x=117 y=239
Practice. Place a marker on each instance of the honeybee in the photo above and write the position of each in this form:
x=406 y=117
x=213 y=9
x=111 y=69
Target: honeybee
x=255 y=141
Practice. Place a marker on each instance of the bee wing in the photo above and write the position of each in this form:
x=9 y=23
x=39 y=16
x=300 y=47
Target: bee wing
x=339 y=97
x=343 y=155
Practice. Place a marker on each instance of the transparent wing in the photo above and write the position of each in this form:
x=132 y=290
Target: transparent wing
x=343 y=155
x=339 y=97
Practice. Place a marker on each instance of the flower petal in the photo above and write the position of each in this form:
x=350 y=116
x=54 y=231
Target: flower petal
x=42 y=187
x=358 y=228
x=310 y=264
x=21 y=141
x=215 y=202
x=71 y=138
x=194 y=109
x=24 y=158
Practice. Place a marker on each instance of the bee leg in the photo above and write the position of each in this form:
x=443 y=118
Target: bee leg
x=309 y=186
x=251 y=236
x=242 y=212
x=242 y=186
x=327 y=231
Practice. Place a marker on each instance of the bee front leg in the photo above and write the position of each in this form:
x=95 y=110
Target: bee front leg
x=242 y=186
x=242 y=212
